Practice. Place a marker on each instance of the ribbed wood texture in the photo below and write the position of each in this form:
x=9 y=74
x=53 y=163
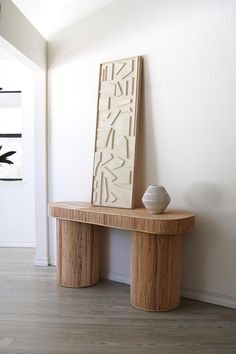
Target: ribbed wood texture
x=156 y=249
x=171 y=222
x=77 y=254
x=155 y=271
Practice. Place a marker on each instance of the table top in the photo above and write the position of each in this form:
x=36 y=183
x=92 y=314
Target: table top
x=138 y=219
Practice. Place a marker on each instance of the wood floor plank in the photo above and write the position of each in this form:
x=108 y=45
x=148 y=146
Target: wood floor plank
x=37 y=316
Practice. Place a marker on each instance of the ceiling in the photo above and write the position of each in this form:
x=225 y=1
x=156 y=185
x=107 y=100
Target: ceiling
x=51 y=16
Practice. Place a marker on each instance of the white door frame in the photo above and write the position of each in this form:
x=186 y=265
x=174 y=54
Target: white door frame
x=41 y=179
x=19 y=37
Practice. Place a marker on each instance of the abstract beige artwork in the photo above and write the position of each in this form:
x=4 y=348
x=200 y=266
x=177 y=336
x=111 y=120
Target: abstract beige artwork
x=116 y=133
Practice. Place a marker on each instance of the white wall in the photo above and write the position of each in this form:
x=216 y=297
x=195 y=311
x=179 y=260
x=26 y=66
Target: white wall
x=17 y=199
x=19 y=37
x=188 y=124
x=17 y=31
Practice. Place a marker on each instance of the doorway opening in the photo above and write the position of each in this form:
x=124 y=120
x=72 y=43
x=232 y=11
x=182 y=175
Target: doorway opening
x=23 y=199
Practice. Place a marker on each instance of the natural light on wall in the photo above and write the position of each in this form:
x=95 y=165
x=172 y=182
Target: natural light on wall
x=52 y=16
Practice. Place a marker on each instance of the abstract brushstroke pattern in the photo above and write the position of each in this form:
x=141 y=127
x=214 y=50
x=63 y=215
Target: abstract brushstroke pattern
x=10 y=157
x=113 y=174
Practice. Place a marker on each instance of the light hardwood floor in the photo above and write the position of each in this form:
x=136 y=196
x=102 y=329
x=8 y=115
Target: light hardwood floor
x=37 y=317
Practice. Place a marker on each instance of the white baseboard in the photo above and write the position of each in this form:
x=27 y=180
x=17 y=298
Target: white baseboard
x=115 y=276
x=53 y=262
x=41 y=262
x=194 y=294
x=210 y=297
x=14 y=244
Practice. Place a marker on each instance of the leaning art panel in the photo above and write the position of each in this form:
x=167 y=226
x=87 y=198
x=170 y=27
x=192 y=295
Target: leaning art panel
x=116 y=133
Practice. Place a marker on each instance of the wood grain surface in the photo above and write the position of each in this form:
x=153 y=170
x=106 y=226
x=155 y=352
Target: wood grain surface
x=77 y=254
x=37 y=316
x=156 y=249
x=155 y=271
x=171 y=222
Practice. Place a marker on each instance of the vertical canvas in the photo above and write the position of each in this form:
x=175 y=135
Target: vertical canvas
x=10 y=136
x=10 y=157
x=116 y=133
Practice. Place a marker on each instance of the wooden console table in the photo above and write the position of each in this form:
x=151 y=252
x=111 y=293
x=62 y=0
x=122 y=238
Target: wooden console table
x=155 y=257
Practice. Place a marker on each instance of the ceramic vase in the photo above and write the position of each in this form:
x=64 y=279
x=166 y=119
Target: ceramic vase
x=156 y=199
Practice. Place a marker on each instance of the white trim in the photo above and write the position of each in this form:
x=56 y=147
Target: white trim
x=53 y=262
x=4 y=183
x=210 y=297
x=115 y=276
x=22 y=39
x=41 y=262
x=194 y=294
x=41 y=193
x=17 y=244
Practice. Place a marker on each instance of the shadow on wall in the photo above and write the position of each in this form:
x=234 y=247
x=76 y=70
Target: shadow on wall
x=146 y=138
x=209 y=254
x=209 y=251
x=204 y=195
x=115 y=254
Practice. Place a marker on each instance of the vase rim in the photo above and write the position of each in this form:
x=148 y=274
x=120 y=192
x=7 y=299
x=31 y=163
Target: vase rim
x=155 y=185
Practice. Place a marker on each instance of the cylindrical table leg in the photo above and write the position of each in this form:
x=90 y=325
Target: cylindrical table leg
x=156 y=271
x=77 y=254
